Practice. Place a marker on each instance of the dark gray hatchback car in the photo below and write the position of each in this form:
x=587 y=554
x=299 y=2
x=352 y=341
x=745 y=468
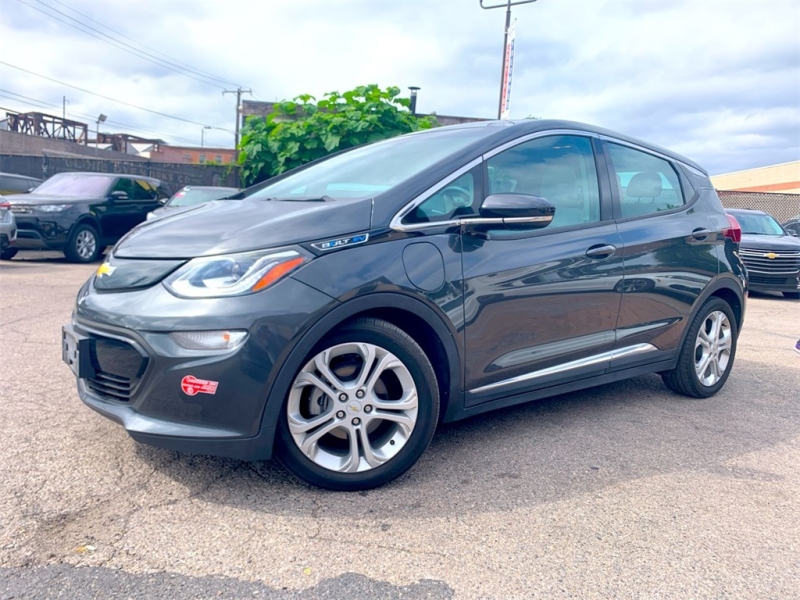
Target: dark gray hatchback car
x=335 y=315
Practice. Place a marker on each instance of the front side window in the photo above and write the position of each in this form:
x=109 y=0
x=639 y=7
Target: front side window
x=560 y=169
x=647 y=184
x=453 y=200
x=124 y=185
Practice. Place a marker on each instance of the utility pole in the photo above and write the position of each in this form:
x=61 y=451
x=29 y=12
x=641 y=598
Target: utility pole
x=238 y=91
x=508 y=4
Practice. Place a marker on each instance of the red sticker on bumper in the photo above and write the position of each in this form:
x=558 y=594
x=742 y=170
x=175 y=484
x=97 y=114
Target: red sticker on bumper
x=192 y=386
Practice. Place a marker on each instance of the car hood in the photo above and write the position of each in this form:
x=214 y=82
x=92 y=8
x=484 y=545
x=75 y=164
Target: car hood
x=224 y=226
x=769 y=242
x=34 y=198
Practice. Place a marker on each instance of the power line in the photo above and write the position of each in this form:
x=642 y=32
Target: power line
x=118 y=44
x=85 y=91
x=43 y=104
x=172 y=59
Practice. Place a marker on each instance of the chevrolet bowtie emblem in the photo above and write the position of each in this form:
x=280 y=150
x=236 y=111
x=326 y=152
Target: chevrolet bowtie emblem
x=105 y=269
x=771 y=255
x=355 y=408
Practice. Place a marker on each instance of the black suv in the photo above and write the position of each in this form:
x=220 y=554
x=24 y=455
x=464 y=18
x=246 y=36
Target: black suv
x=770 y=253
x=82 y=213
x=339 y=312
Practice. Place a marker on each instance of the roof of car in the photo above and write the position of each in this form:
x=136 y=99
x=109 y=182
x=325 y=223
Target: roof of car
x=526 y=126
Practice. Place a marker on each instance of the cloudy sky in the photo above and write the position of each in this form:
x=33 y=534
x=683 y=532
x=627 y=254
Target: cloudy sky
x=718 y=81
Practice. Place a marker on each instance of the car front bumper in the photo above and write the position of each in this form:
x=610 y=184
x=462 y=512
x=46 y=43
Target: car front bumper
x=130 y=370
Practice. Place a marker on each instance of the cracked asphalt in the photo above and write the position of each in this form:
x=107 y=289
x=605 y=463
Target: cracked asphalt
x=621 y=491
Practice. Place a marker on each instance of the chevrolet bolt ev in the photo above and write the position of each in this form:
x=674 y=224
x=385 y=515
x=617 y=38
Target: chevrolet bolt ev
x=336 y=314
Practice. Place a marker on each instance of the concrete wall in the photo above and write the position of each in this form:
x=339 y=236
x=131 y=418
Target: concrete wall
x=12 y=142
x=783 y=178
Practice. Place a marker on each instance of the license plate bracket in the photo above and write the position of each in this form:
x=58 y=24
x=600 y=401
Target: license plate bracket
x=76 y=353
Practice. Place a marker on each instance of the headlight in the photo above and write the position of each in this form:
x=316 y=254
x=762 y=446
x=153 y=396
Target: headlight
x=233 y=274
x=52 y=207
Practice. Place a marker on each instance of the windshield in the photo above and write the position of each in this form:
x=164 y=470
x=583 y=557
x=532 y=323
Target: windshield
x=74 y=184
x=190 y=197
x=374 y=168
x=755 y=224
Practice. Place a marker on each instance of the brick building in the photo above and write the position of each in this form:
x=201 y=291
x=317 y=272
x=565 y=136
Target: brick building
x=193 y=155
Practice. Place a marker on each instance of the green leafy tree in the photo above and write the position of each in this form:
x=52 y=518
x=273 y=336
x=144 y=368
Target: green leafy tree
x=304 y=129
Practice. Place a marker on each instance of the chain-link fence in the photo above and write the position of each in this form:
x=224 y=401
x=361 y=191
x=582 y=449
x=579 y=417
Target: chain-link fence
x=781 y=206
x=175 y=175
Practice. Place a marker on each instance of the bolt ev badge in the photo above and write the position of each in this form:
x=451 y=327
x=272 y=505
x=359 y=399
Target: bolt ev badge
x=105 y=269
x=349 y=241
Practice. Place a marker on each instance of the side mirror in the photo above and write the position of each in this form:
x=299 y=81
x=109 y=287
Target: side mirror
x=163 y=200
x=517 y=211
x=118 y=195
x=793 y=233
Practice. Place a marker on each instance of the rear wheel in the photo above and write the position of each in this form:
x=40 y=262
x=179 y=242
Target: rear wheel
x=8 y=253
x=83 y=245
x=792 y=295
x=706 y=357
x=361 y=410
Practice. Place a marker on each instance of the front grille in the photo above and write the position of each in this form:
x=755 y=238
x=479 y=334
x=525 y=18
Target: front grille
x=758 y=279
x=773 y=262
x=110 y=386
x=118 y=369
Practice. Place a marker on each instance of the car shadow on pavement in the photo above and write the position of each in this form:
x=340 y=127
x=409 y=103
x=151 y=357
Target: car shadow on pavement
x=528 y=455
x=65 y=581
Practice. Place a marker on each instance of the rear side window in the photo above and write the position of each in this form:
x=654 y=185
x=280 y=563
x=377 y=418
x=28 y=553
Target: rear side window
x=647 y=184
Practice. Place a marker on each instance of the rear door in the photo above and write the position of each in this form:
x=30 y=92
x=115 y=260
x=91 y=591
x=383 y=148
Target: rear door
x=668 y=248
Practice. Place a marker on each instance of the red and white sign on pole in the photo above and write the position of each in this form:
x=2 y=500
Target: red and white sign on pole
x=508 y=69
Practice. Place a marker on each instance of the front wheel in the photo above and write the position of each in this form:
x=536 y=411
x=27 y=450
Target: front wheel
x=361 y=410
x=83 y=245
x=706 y=357
x=8 y=253
x=792 y=295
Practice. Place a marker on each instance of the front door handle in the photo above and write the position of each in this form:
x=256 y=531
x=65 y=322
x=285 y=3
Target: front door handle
x=701 y=233
x=601 y=251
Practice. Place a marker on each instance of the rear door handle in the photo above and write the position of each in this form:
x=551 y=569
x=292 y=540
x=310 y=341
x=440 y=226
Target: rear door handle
x=601 y=251
x=701 y=233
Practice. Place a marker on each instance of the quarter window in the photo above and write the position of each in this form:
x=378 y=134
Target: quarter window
x=647 y=184
x=560 y=169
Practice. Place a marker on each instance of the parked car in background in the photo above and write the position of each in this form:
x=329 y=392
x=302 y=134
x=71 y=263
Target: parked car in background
x=192 y=195
x=82 y=213
x=11 y=183
x=8 y=225
x=324 y=313
x=793 y=225
x=770 y=253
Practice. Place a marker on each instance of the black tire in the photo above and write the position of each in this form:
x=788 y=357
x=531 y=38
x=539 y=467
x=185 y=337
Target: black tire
x=792 y=295
x=79 y=249
x=8 y=253
x=392 y=339
x=683 y=379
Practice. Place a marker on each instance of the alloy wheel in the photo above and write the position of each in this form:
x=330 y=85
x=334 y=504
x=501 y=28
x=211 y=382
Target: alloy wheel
x=712 y=350
x=352 y=407
x=86 y=244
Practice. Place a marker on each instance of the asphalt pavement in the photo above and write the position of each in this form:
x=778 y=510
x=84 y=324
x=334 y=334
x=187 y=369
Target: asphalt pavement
x=621 y=491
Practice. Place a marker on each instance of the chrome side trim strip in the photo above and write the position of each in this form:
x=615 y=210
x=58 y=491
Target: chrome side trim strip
x=575 y=364
x=538 y=134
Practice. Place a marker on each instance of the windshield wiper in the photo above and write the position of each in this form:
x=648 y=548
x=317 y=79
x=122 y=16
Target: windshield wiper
x=305 y=199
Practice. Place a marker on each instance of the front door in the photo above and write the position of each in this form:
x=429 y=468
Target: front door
x=541 y=306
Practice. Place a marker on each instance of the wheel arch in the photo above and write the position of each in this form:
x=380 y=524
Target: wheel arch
x=413 y=316
x=87 y=219
x=726 y=287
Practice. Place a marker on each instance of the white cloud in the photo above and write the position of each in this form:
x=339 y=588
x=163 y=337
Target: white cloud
x=717 y=80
